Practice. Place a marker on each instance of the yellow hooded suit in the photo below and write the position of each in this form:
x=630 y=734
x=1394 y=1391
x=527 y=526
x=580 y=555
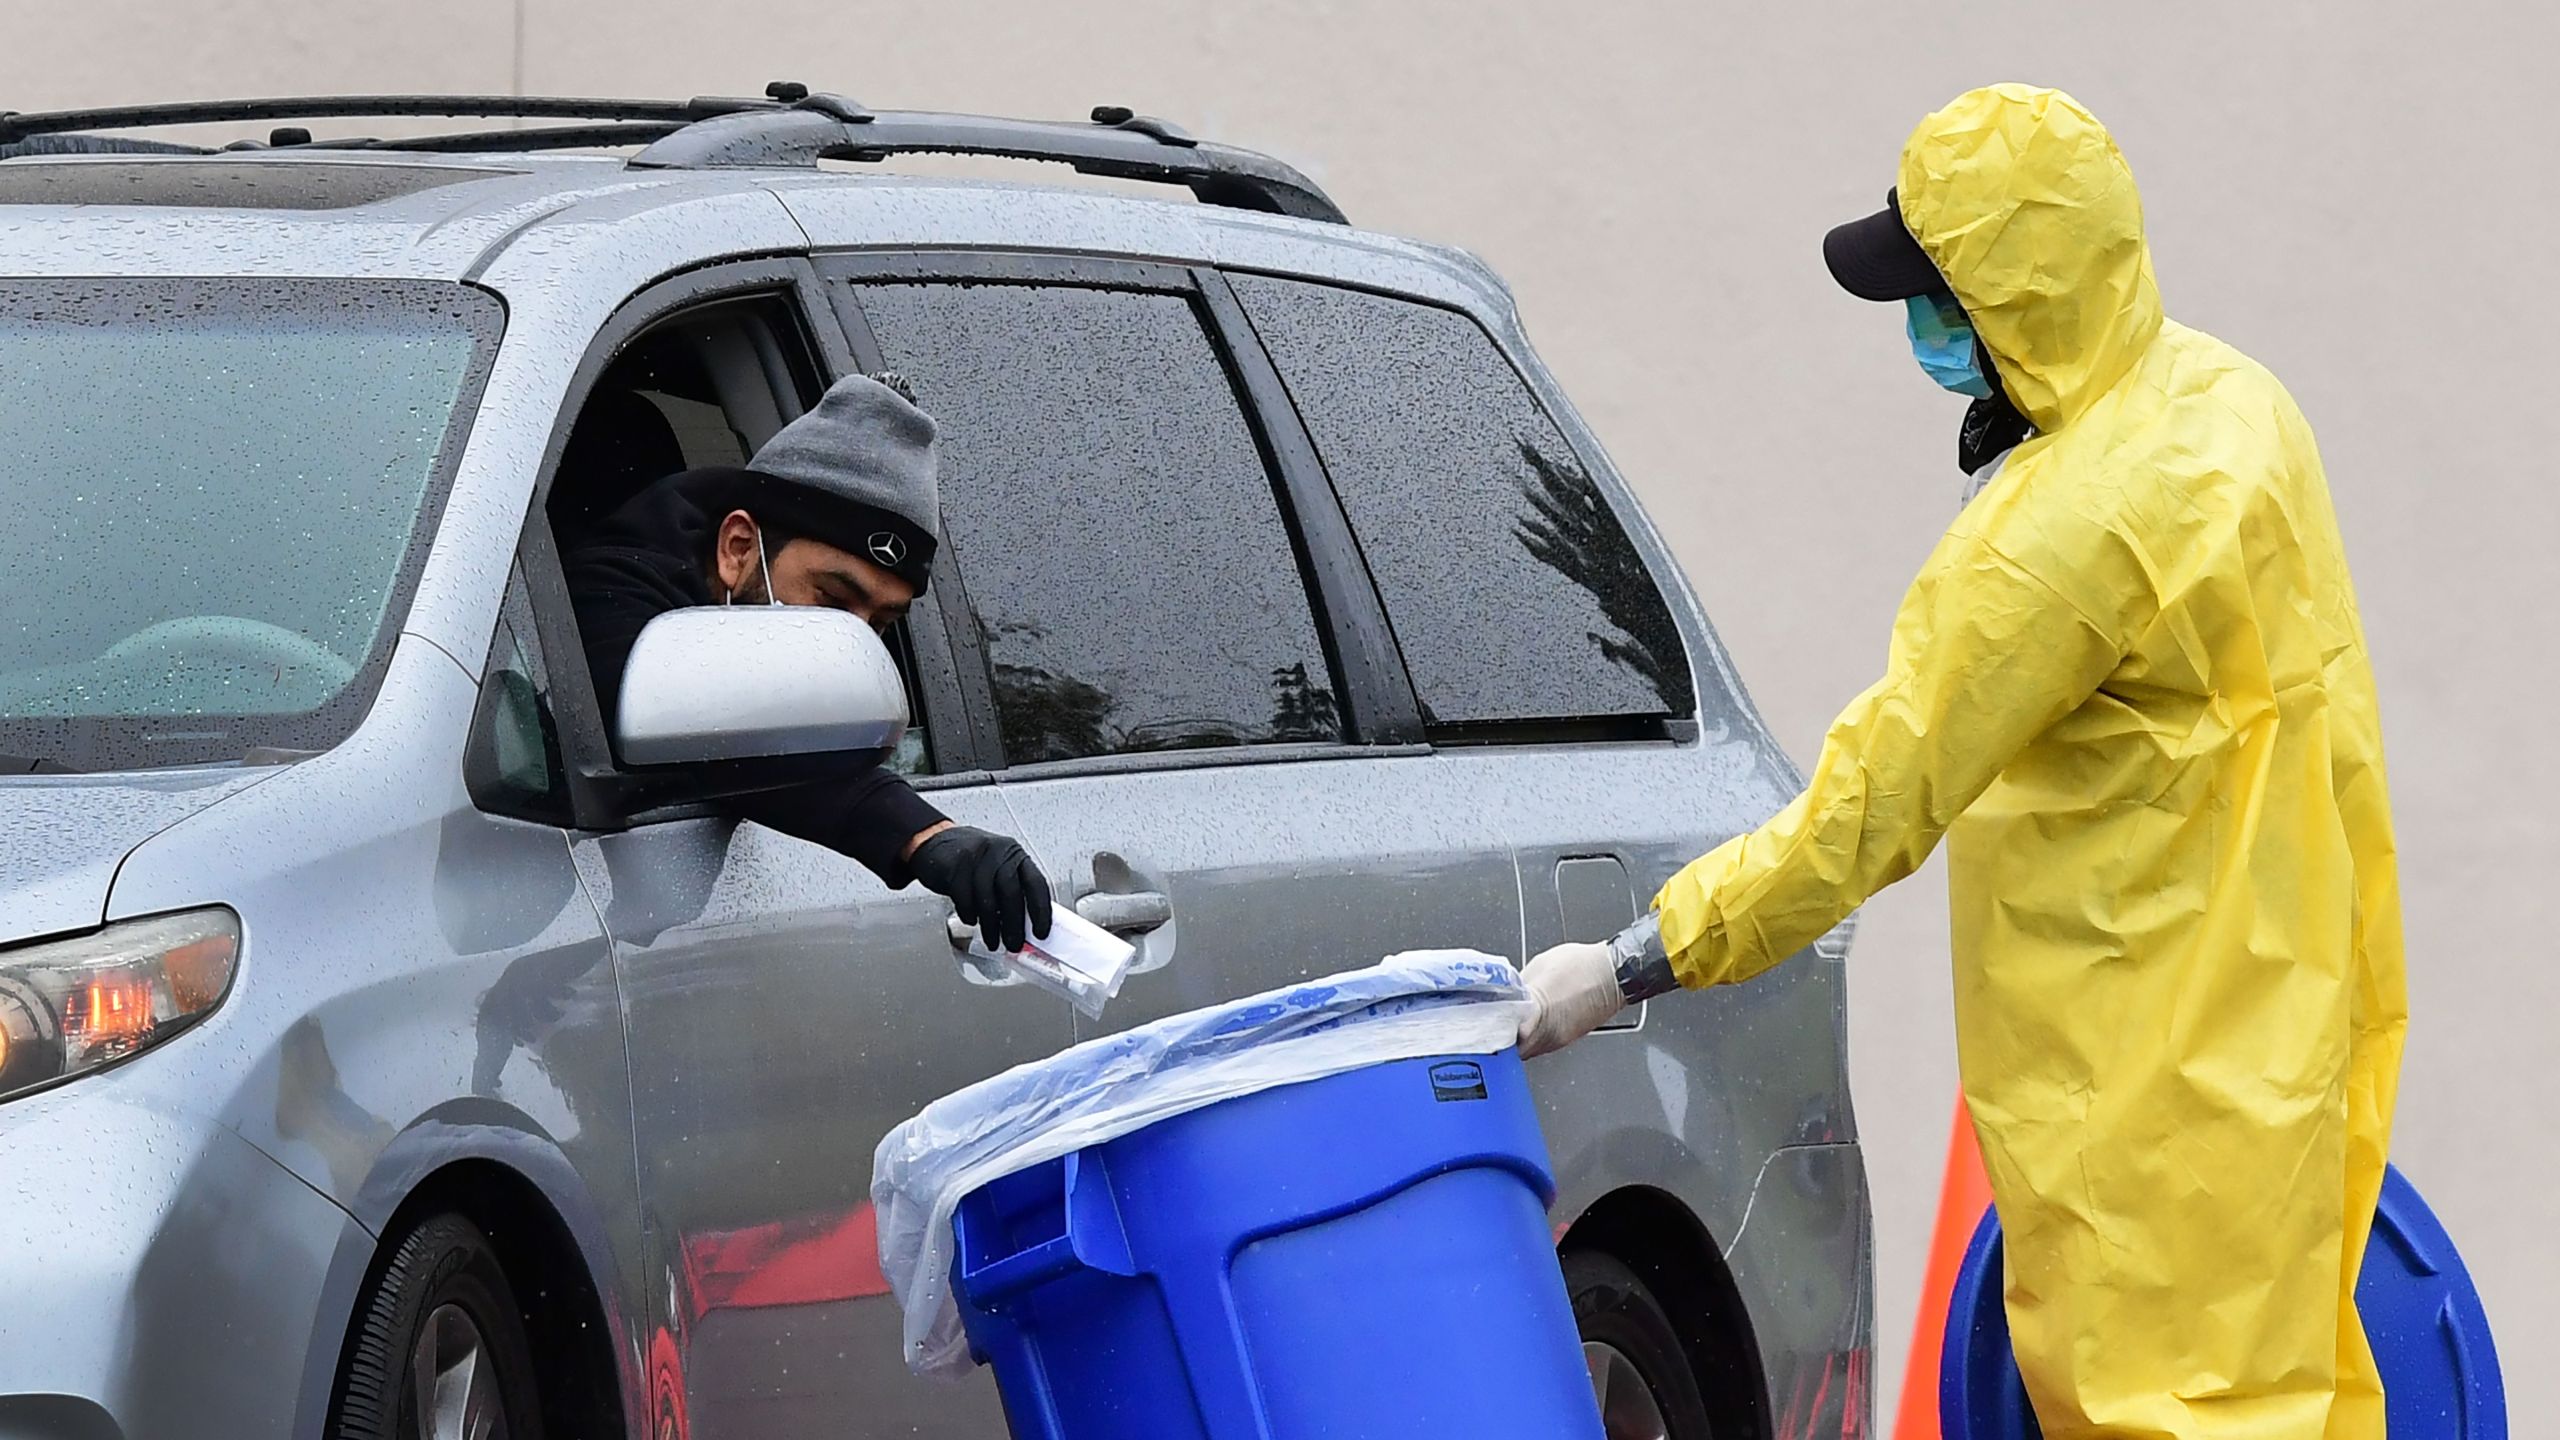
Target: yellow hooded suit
x=2130 y=687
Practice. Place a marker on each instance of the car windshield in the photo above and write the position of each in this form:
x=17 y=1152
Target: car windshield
x=217 y=494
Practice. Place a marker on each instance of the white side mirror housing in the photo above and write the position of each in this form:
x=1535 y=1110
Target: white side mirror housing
x=742 y=682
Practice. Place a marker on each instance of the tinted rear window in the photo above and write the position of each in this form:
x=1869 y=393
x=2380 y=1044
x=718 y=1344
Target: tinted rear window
x=1513 y=590
x=1115 y=521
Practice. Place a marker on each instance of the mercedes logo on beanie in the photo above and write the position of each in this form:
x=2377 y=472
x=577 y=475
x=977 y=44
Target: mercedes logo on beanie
x=887 y=548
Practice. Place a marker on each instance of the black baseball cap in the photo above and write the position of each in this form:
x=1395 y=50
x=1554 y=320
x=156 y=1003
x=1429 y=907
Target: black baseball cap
x=1876 y=259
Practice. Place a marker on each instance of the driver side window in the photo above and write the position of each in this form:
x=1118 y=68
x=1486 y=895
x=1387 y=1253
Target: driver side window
x=705 y=387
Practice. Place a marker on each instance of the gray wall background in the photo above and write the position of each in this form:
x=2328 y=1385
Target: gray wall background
x=2360 y=194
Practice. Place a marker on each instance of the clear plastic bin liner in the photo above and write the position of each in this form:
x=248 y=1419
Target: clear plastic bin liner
x=1421 y=1002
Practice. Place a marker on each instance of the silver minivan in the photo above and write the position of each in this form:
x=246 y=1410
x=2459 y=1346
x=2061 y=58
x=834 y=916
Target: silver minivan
x=381 y=1055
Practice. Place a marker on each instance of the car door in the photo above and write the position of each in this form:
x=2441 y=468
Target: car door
x=784 y=1009
x=1191 y=703
x=1552 y=674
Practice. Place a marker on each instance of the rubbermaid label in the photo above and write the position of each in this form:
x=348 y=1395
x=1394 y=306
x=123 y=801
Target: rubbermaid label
x=1457 y=1080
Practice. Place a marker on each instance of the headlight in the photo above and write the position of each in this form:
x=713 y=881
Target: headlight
x=71 y=1006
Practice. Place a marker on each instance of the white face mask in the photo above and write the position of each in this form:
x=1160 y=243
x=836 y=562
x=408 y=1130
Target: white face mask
x=764 y=574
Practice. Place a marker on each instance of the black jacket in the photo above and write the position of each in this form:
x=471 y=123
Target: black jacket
x=653 y=555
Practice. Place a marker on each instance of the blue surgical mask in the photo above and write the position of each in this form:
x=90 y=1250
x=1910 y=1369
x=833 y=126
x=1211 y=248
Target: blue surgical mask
x=1942 y=341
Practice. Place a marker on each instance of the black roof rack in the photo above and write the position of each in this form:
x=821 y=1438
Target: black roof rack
x=1116 y=143
x=15 y=125
x=791 y=126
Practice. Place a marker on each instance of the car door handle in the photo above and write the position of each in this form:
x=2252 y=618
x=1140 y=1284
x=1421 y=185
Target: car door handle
x=1121 y=914
x=1126 y=913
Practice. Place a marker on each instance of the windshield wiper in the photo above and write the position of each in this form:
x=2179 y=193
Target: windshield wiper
x=274 y=755
x=49 y=765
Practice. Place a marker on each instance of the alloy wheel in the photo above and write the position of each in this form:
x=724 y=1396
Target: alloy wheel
x=1628 y=1410
x=453 y=1382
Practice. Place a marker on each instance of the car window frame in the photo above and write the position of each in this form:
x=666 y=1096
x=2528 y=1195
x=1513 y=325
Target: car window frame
x=516 y=627
x=605 y=794
x=1674 y=728
x=1380 y=715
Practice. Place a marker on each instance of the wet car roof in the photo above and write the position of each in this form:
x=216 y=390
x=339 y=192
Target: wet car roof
x=513 y=220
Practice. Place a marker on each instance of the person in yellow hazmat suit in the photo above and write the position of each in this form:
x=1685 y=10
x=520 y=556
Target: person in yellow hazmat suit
x=2130 y=687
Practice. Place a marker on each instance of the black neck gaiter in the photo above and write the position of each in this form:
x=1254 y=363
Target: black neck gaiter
x=1991 y=424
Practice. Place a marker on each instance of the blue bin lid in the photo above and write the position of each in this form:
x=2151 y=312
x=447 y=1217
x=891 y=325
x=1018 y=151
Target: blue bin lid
x=2422 y=1315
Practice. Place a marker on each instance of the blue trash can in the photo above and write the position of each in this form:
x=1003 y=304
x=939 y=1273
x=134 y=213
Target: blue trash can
x=2421 y=1313
x=1366 y=1255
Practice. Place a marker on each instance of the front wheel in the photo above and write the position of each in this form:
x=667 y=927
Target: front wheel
x=439 y=1350
x=1638 y=1369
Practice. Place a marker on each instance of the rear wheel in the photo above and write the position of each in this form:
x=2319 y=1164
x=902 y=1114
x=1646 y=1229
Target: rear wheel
x=1639 y=1370
x=439 y=1351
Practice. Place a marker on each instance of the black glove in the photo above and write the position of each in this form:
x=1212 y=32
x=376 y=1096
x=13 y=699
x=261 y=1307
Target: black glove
x=990 y=880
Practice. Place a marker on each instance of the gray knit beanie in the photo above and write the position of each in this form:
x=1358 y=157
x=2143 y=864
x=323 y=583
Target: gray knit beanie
x=858 y=473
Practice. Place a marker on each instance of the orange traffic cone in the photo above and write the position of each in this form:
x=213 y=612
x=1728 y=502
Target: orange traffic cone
x=1962 y=1198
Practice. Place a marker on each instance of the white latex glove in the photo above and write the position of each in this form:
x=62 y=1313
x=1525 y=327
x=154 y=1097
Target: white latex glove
x=1575 y=989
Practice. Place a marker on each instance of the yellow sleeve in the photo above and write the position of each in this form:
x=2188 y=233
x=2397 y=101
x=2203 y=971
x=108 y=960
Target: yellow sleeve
x=1986 y=654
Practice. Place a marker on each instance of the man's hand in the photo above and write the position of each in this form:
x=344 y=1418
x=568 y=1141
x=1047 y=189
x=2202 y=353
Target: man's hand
x=1575 y=989
x=989 y=879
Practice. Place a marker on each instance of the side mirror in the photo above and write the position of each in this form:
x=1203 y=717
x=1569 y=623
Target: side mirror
x=758 y=682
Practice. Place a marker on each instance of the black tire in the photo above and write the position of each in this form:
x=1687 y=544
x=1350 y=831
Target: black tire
x=441 y=1276
x=1626 y=1332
